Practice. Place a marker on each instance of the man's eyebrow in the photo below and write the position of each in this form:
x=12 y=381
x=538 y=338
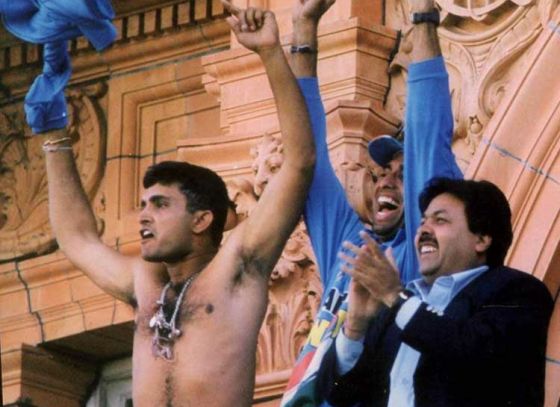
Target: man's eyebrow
x=155 y=198
x=388 y=167
x=436 y=212
x=158 y=198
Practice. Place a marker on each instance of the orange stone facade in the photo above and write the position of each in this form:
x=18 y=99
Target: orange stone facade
x=175 y=85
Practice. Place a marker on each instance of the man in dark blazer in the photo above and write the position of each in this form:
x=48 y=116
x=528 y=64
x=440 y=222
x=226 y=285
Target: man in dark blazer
x=470 y=332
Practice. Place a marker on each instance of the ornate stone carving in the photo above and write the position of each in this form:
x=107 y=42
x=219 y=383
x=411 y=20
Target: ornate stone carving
x=268 y=160
x=485 y=45
x=476 y=10
x=24 y=224
x=240 y=191
x=294 y=296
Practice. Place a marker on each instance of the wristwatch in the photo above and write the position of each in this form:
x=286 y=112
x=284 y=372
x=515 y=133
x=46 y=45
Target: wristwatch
x=428 y=17
x=303 y=49
x=401 y=299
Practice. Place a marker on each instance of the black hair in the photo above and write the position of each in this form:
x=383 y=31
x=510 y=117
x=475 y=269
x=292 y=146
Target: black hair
x=486 y=208
x=203 y=188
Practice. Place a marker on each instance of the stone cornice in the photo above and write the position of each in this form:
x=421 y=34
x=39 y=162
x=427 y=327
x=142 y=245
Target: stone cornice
x=155 y=34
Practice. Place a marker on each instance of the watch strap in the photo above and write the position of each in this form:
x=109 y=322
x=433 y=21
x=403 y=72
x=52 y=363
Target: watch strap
x=401 y=299
x=303 y=49
x=427 y=17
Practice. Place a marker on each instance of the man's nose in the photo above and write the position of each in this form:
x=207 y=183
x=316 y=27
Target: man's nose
x=144 y=215
x=424 y=230
x=389 y=180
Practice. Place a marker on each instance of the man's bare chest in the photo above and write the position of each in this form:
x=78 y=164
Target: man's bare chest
x=165 y=317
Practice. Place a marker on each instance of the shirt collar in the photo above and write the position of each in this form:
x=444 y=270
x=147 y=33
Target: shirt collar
x=451 y=284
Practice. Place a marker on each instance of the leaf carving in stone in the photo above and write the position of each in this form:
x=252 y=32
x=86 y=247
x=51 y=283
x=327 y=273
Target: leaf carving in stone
x=483 y=60
x=297 y=253
x=294 y=296
x=506 y=50
x=268 y=158
x=24 y=226
x=241 y=193
x=477 y=10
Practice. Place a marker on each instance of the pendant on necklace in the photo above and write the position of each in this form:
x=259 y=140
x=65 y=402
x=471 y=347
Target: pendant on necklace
x=165 y=332
x=158 y=321
x=162 y=348
x=164 y=337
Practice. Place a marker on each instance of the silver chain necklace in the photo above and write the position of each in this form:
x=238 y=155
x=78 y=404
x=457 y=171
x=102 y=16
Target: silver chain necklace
x=166 y=332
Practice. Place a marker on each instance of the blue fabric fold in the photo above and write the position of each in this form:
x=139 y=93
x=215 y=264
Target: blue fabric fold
x=45 y=103
x=44 y=21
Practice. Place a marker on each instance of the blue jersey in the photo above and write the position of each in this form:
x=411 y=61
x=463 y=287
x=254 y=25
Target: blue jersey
x=330 y=220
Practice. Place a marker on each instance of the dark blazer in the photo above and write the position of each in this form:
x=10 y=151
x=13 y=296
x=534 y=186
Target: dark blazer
x=488 y=349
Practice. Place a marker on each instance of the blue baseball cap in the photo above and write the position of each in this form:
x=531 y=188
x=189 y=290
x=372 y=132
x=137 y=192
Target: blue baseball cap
x=42 y=21
x=382 y=149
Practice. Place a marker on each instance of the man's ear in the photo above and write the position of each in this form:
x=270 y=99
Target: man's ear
x=483 y=243
x=202 y=219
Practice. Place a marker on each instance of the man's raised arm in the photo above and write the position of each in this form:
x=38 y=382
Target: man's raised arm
x=305 y=19
x=425 y=41
x=263 y=235
x=428 y=124
x=70 y=212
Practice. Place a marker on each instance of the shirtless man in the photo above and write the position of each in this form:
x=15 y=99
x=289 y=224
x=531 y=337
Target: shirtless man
x=198 y=349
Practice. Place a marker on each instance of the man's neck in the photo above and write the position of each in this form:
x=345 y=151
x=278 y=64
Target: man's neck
x=180 y=271
x=387 y=237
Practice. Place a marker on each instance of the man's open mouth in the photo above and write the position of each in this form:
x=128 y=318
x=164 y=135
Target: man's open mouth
x=387 y=211
x=427 y=244
x=146 y=234
x=386 y=204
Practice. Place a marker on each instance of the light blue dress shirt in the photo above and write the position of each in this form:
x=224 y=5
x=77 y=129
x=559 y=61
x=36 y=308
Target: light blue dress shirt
x=437 y=296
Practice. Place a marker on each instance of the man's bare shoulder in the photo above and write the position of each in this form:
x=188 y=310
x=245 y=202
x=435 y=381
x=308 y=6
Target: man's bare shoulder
x=149 y=279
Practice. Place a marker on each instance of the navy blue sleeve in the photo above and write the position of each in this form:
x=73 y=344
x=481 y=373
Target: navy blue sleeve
x=510 y=325
x=367 y=383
